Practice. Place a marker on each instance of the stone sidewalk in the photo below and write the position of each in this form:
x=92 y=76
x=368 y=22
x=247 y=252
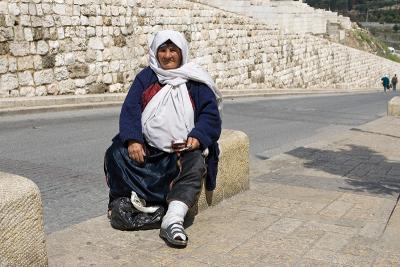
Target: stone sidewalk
x=331 y=203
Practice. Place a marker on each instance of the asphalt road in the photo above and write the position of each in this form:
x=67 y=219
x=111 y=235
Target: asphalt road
x=63 y=151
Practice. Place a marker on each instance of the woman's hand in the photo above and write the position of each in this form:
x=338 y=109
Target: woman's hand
x=193 y=143
x=136 y=152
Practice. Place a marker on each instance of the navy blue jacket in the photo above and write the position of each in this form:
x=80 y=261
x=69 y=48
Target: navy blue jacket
x=207 y=119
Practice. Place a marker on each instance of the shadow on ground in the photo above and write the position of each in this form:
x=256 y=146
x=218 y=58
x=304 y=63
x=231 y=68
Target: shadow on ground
x=363 y=169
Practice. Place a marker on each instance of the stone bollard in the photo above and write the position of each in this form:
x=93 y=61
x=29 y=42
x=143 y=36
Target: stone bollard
x=394 y=106
x=233 y=169
x=22 y=238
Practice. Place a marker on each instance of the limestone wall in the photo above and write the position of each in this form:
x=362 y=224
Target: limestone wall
x=50 y=47
x=292 y=16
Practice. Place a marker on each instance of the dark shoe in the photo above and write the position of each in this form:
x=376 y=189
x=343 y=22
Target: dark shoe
x=171 y=231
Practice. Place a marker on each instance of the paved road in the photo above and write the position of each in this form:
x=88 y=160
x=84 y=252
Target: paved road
x=62 y=152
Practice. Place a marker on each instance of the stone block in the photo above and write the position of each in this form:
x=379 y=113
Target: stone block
x=22 y=239
x=27 y=91
x=233 y=169
x=42 y=47
x=12 y=64
x=28 y=34
x=96 y=43
x=41 y=91
x=116 y=87
x=19 y=48
x=14 y=9
x=78 y=70
x=3 y=7
x=107 y=78
x=48 y=61
x=3 y=64
x=66 y=86
x=80 y=83
x=8 y=82
x=25 y=78
x=4 y=48
x=32 y=9
x=37 y=62
x=43 y=77
x=59 y=9
x=394 y=107
x=61 y=73
x=80 y=91
x=2 y=21
x=97 y=88
x=7 y=34
x=119 y=41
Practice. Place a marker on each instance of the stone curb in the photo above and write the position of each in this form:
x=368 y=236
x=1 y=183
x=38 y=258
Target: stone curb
x=394 y=106
x=22 y=238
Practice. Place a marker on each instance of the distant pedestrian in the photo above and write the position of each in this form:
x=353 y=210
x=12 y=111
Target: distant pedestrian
x=394 y=82
x=385 y=82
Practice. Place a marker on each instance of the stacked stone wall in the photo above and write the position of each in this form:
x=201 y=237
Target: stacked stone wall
x=50 y=47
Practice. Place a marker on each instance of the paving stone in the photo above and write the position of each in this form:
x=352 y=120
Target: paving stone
x=336 y=258
x=304 y=232
x=306 y=210
x=373 y=229
x=304 y=194
x=332 y=241
x=330 y=227
x=336 y=209
x=316 y=263
x=229 y=260
x=361 y=246
x=278 y=259
x=387 y=259
x=285 y=225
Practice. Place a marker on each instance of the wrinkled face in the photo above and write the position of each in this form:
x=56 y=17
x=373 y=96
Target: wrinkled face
x=169 y=56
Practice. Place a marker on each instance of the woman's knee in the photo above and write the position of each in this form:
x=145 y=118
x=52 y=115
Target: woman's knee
x=113 y=153
x=195 y=157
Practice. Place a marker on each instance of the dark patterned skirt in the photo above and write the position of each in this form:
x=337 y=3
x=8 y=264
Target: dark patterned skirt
x=151 y=180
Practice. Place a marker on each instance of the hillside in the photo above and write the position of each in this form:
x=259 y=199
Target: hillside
x=383 y=11
x=379 y=19
x=362 y=39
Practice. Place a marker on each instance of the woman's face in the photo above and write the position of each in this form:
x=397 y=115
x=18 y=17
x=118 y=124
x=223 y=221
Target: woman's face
x=169 y=56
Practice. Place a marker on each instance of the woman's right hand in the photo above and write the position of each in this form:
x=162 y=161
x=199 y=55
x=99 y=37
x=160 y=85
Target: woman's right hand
x=136 y=152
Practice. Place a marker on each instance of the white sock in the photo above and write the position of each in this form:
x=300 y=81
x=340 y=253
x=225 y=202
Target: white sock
x=175 y=214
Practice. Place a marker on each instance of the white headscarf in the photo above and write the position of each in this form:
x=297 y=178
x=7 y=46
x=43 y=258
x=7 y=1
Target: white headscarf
x=187 y=70
x=169 y=114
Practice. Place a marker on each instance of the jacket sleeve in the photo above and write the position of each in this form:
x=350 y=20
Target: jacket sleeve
x=207 y=127
x=130 y=125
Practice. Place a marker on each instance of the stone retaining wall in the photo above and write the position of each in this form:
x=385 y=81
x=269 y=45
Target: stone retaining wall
x=293 y=16
x=50 y=47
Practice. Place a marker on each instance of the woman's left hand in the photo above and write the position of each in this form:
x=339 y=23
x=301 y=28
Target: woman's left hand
x=193 y=143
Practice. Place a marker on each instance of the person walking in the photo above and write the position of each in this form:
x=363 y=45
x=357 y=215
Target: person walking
x=394 y=82
x=385 y=82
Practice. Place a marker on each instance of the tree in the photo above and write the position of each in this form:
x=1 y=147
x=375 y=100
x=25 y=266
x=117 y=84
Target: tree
x=350 y=4
x=396 y=28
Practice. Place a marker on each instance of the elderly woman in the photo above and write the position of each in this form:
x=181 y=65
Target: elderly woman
x=170 y=101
